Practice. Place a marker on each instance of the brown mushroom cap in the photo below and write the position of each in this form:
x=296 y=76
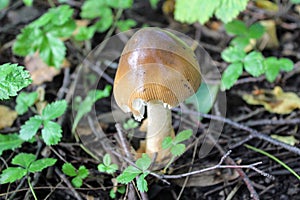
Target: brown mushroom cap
x=155 y=65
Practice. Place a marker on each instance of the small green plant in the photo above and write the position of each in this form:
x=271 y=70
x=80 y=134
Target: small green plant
x=121 y=189
x=51 y=131
x=175 y=145
x=24 y=101
x=224 y=10
x=78 y=175
x=140 y=171
x=27 y=163
x=130 y=124
x=107 y=166
x=10 y=142
x=13 y=78
x=85 y=106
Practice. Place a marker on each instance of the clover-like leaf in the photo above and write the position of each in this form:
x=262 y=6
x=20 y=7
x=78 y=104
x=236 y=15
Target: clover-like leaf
x=77 y=182
x=183 y=135
x=12 y=174
x=231 y=75
x=54 y=110
x=144 y=162
x=23 y=159
x=30 y=128
x=9 y=142
x=233 y=54
x=69 y=169
x=83 y=172
x=51 y=132
x=178 y=149
x=167 y=142
x=41 y=164
x=142 y=184
x=128 y=174
x=24 y=101
x=253 y=63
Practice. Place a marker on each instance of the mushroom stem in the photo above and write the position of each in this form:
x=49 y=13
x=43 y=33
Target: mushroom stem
x=159 y=127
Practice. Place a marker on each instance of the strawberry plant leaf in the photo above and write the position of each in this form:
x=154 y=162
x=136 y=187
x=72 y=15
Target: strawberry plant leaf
x=51 y=133
x=106 y=160
x=12 y=174
x=286 y=64
x=233 y=54
x=256 y=31
x=83 y=172
x=23 y=159
x=119 y=3
x=231 y=75
x=91 y=8
x=69 y=169
x=24 y=101
x=253 y=63
x=106 y=20
x=240 y=42
x=183 y=135
x=10 y=142
x=77 y=182
x=112 y=168
x=30 y=128
x=142 y=184
x=54 y=110
x=144 y=162
x=167 y=142
x=228 y=10
x=128 y=174
x=236 y=27
x=178 y=149
x=41 y=164
x=125 y=25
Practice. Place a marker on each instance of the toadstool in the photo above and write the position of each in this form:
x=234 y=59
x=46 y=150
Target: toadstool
x=156 y=70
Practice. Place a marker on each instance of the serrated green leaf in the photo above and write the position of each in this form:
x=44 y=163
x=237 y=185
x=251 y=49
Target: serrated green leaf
x=106 y=160
x=52 y=50
x=183 y=135
x=256 y=31
x=167 y=142
x=142 y=184
x=54 y=110
x=12 y=79
x=112 y=168
x=286 y=64
x=83 y=172
x=125 y=25
x=178 y=149
x=30 y=128
x=253 y=63
x=10 y=142
x=106 y=20
x=272 y=68
x=91 y=8
x=102 y=168
x=231 y=75
x=24 y=101
x=23 y=159
x=240 y=42
x=236 y=27
x=12 y=174
x=41 y=164
x=119 y=3
x=233 y=54
x=61 y=31
x=77 y=182
x=69 y=169
x=51 y=133
x=85 y=33
x=128 y=175
x=230 y=9
x=188 y=11
x=144 y=162
x=28 y=2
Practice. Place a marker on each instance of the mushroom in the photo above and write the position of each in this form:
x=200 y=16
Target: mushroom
x=157 y=70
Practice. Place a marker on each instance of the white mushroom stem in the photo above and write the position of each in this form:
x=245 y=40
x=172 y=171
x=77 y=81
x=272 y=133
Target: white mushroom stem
x=159 y=127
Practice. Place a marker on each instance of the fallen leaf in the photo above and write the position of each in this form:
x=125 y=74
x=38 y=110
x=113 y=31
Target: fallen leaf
x=274 y=101
x=40 y=71
x=291 y=140
x=7 y=116
x=269 y=40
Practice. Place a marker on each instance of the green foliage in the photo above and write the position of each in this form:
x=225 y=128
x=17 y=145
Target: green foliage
x=12 y=79
x=121 y=190
x=10 y=142
x=274 y=65
x=132 y=172
x=153 y=3
x=130 y=124
x=295 y=1
x=107 y=166
x=86 y=105
x=28 y=2
x=43 y=35
x=3 y=4
x=175 y=144
x=24 y=101
x=51 y=131
x=78 y=175
x=125 y=25
x=225 y=10
x=27 y=164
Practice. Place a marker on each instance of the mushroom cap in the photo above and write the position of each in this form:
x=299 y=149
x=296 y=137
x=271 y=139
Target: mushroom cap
x=155 y=65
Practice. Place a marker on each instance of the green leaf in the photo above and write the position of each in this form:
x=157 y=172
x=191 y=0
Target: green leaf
x=12 y=79
x=12 y=174
x=233 y=54
x=178 y=149
x=51 y=133
x=121 y=189
x=61 y=31
x=128 y=174
x=130 y=124
x=24 y=101
x=28 y=2
x=69 y=169
x=30 y=128
x=272 y=68
x=54 y=110
x=10 y=142
x=142 y=184
x=229 y=9
x=3 y=4
x=125 y=25
x=256 y=31
x=112 y=193
x=240 y=42
x=153 y=3
x=183 y=135
x=52 y=50
x=106 y=20
x=295 y=1
x=23 y=159
x=231 y=75
x=119 y=3
x=77 y=182
x=253 y=63
x=83 y=172
x=144 y=162
x=286 y=64
x=85 y=33
x=102 y=168
x=167 y=142
x=106 y=159
x=28 y=42
x=112 y=168
x=91 y=8
x=236 y=27
x=41 y=164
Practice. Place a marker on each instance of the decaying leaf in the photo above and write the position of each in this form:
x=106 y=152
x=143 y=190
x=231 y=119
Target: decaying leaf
x=291 y=140
x=274 y=101
x=7 y=116
x=39 y=70
x=269 y=40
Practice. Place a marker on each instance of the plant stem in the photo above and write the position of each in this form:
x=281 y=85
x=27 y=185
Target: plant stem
x=169 y=163
x=31 y=188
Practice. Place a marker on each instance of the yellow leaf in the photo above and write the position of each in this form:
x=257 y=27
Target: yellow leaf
x=267 y=5
x=274 y=101
x=291 y=140
x=7 y=116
